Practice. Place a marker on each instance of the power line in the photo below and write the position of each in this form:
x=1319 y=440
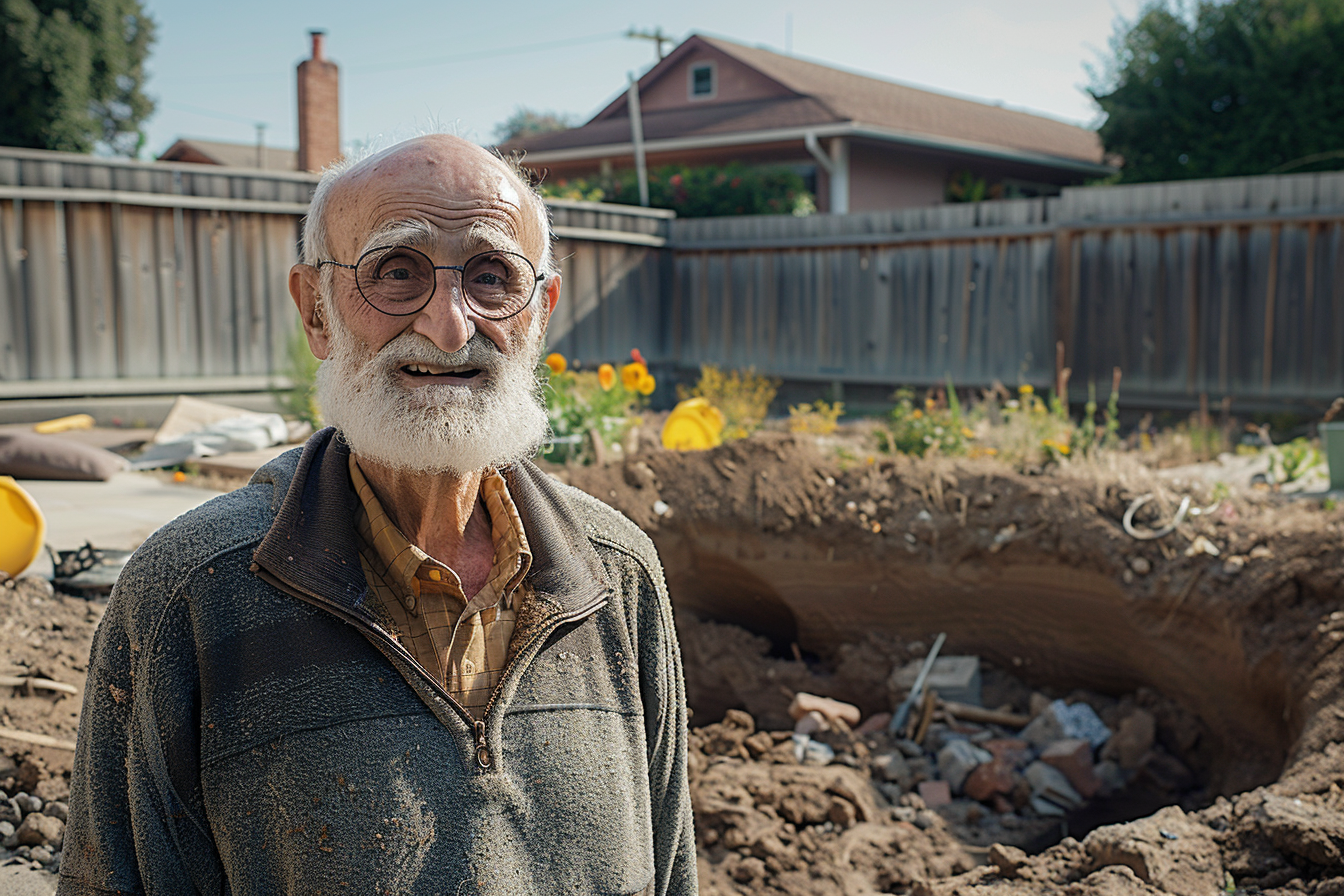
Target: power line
x=492 y=54
x=210 y=113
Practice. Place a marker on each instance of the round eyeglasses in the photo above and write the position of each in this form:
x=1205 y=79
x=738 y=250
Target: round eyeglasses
x=400 y=281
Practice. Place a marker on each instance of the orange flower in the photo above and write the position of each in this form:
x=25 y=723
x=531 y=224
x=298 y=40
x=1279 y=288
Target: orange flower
x=631 y=374
x=606 y=376
x=179 y=476
x=556 y=362
x=646 y=385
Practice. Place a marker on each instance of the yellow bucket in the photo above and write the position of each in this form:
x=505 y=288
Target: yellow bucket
x=693 y=425
x=22 y=527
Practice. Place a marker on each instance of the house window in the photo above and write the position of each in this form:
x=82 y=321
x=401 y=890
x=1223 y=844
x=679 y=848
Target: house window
x=703 y=84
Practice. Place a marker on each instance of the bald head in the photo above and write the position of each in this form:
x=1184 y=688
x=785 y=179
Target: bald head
x=439 y=182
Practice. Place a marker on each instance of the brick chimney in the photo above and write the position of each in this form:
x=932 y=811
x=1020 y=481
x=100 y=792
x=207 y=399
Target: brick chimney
x=319 y=108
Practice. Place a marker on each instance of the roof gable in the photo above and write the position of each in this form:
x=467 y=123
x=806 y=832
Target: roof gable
x=667 y=84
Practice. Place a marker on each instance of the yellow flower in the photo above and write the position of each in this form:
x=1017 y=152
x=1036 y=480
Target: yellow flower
x=930 y=403
x=917 y=414
x=631 y=374
x=1025 y=389
x=606 y=377
x=646 y=385
x=1057 y=445
x=556 y=362
x=966 y=431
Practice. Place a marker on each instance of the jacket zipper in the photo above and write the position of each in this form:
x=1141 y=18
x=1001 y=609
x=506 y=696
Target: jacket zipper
x=477 y=726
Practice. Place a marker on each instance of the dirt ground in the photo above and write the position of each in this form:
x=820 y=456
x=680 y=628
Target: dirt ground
x=797 y=564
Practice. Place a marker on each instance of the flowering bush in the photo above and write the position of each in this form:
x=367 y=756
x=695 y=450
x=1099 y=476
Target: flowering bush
x=590 y=406
x=819 y=417
x=740 y=395
x=936 y=426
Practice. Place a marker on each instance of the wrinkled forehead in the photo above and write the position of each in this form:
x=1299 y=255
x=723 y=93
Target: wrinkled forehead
x=457 y=191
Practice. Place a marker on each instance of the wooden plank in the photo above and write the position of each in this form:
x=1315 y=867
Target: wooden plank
x=93 y=289
x=1271 y=287
x=139 y=337
x=50 y=324
x=14 y=301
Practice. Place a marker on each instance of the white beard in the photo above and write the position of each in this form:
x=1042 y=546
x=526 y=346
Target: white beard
x=437 y=428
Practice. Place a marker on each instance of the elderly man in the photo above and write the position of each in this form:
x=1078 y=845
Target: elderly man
x=402 y=660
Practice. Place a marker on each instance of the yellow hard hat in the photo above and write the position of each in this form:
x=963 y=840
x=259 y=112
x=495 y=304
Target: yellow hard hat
x=22 y=527
x=693 y=425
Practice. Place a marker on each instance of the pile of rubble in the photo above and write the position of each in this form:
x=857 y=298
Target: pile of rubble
x=843 y=803
x=32 y=813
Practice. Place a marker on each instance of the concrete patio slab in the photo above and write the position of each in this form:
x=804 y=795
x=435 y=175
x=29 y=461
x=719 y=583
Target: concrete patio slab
x=119 y=513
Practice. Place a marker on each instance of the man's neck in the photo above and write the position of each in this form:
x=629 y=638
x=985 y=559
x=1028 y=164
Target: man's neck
x=440 y=513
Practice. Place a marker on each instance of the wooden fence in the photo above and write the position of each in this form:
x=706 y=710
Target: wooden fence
x=122 y=277
x=1225 y=288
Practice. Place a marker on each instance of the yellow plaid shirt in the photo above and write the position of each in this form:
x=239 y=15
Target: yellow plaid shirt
x=420 y=600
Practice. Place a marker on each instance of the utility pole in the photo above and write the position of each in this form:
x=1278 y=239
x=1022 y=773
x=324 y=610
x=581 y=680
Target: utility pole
x=656 y=35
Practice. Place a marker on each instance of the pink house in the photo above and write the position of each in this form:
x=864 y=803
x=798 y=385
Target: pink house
x=861 y=143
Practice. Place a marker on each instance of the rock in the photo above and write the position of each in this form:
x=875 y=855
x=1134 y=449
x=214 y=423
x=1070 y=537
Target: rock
x=958 y=759
x=990 y=779
x=875 y=723
x=811 y=752
x=1008 y=859
x=55 y=787
x=757 y=745
x=1111 y=779
x=1165 y=850
x=28 y=803
x=38 y=829
x=57 y=809
x=1133 y=738
x=935 y=793
x=812 y=723
x=1081 y=721
x=908 y=747
x=1010 y=749
x=832 y=710
x=40 y=855
x=1043 y=807
x=1140 y=565
x=1037 y=703
x=1043 y=730
x=842 y=813
x=9 y=811
x=1302 y=827
x=1074 y=758
x=892 y=767
x=6 y=830
x=1048 y=782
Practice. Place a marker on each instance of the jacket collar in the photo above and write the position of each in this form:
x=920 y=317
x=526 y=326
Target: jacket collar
x=311 y=546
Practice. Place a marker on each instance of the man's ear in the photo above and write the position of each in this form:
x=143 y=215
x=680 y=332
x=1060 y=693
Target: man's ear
x=552 y=293
x=303 y=287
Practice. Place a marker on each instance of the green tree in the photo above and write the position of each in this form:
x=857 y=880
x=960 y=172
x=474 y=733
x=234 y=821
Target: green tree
x=526 y=122
x=1220 y=89
x=72 y=74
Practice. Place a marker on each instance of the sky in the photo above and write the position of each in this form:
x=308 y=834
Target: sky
x=217 y=70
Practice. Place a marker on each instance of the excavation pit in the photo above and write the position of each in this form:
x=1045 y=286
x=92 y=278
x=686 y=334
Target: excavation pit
x=792 y=570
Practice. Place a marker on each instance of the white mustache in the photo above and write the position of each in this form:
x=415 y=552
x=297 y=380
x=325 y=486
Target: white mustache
x=413 y=348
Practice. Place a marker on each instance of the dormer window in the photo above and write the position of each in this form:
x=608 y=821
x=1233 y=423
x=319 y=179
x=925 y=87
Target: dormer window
x=703 y=81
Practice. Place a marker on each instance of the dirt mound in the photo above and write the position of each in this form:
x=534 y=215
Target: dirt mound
x=1233 y=620
x=766 y=824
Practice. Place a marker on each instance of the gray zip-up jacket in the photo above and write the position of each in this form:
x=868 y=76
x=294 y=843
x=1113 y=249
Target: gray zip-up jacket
x=249 y=729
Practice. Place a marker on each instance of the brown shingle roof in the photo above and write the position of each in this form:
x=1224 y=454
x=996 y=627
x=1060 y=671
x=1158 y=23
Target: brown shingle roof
x=233 y=155
x=825 y=95
x=887 y=104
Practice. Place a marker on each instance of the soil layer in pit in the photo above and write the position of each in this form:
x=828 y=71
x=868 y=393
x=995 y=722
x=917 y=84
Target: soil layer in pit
x=1035 y=574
